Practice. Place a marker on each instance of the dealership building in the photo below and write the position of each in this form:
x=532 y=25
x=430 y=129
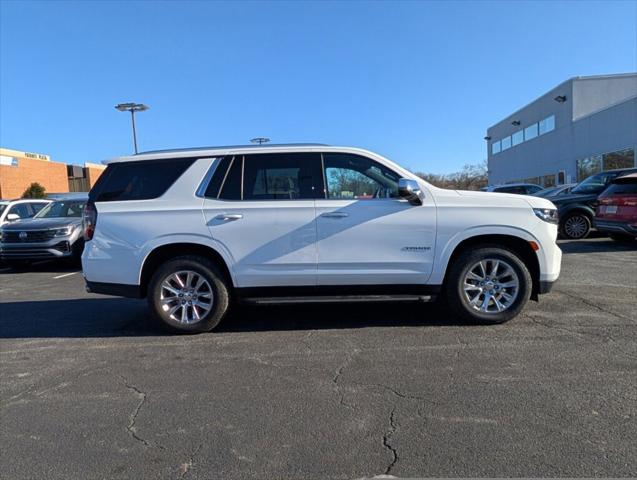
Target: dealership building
x=19 y=169
x=581 y=127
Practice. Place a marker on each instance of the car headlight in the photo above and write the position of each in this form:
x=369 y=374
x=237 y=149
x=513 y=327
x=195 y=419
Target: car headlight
x=62 y=232
x=547 y=214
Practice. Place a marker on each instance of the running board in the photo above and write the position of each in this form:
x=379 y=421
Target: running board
x=337 y=299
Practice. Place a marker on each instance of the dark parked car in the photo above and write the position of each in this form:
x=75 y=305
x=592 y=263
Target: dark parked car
x=616 y=212
x=576 y=210
x=556 y=191
x=54 y=233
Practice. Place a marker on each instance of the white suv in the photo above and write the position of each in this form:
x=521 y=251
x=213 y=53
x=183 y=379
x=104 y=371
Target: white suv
x=192 y=229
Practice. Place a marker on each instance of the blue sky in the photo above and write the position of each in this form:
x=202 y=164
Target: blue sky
x=416 y=81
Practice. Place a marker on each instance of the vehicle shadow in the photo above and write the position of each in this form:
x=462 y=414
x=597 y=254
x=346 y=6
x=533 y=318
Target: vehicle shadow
x=601 y=245
x=48 y=266
x=117 y=317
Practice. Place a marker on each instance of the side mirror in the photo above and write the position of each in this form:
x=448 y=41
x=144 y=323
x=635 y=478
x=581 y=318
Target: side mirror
x=12 y=217
x=410 y=190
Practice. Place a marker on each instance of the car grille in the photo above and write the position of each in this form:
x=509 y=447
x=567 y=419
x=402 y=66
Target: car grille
x=32 y=236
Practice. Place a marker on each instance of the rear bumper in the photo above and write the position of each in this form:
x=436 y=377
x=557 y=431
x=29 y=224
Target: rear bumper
x=614 y=226
x=114 y=289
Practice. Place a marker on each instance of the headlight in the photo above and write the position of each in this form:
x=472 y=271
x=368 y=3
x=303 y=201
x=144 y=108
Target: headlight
x=62 y=232
x=547 y=214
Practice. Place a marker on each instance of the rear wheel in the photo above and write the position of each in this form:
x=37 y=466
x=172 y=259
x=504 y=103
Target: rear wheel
x=576 y=225
x=188 y=294
x=488 y=285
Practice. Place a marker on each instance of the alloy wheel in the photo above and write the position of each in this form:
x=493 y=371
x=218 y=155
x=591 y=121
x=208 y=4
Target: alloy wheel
x=186 y=296
x=491 y=286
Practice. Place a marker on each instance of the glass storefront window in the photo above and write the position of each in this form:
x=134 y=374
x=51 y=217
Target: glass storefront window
x=530 y=132
x=588 y=166
x=548 y=181
x=495 y=147
x=619 y=159
x=517 y=138
x=547 y=125
x=506 y=143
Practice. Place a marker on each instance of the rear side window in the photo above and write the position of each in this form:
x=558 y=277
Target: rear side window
x=624 y=188
x=141 y=180
x=278 y=176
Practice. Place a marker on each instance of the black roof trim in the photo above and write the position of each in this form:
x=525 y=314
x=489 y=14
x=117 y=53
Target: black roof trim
x=232 y=147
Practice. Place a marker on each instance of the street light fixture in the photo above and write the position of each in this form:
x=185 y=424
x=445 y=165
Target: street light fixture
x=260 y=140
x=132 y=108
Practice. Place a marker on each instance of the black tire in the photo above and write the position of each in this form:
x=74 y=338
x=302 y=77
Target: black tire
x=575 y=219
x=622 y=237
x=455 y=295
x=209 y=271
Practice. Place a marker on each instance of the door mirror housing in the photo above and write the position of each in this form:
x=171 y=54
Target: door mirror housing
x=12 y=217
x=410 y=190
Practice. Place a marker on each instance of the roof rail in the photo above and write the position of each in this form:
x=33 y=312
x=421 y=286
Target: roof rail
x=228 y=147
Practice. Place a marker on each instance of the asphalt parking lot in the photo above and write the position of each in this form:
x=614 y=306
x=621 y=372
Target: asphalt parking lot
x=91 y=388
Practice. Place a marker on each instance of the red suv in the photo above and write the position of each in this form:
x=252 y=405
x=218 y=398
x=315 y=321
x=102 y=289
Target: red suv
x=617 y=209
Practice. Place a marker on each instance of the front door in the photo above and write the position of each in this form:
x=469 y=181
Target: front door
x=366 y=233
x=263 y=217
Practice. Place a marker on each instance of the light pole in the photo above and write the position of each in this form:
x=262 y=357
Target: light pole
x=132 y=108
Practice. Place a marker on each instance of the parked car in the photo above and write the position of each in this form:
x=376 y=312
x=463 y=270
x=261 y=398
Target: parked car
x=54 y=233
x=13 y=210
x=191 y=229
x=555 y=191
x=576 y=210
x=616 y=212
x=518 y=188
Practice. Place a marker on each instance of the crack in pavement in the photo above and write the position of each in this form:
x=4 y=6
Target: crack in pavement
x=132 y=430
x=186 y=466
x=339 y=372
x=594 y=305
x=388 y=446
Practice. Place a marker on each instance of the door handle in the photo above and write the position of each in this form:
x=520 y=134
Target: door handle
x=335 y=215
x=229 y=217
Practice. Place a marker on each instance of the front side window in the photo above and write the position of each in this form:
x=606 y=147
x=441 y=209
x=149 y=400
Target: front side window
x=21 y=210
x=38 y=206
x=62 y=209
x=353 y=177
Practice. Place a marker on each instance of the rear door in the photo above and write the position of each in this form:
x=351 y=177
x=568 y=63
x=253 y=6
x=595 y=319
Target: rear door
x=367 y=234
x=260 y=209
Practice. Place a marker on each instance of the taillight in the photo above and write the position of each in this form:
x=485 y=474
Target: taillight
x=89 y=220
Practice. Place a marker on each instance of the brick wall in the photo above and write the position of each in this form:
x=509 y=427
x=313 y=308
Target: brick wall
x=14 y=180
x=92 y=174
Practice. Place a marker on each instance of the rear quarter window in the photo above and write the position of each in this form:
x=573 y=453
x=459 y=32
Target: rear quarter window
x=140 y=180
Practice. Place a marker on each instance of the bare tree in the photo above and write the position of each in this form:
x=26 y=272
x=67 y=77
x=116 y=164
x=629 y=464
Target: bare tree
x=471 y=177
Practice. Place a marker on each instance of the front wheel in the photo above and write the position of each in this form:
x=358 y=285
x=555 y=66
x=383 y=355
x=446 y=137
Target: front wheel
x=188 y=294
x=488 y=285
x=576 y=225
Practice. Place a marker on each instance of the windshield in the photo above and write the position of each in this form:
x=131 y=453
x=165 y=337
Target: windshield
x=594 y=183
x=62 y=209
x=546 y=192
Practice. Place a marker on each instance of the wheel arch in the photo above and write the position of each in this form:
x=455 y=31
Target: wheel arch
x=162 y=253
x=585 y=209
x=517 y=244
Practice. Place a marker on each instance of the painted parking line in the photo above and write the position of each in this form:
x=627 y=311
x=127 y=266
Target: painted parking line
x=65 y=275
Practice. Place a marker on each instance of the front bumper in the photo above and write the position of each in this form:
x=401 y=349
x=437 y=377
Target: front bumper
x=57 y=248
x=615 y=226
